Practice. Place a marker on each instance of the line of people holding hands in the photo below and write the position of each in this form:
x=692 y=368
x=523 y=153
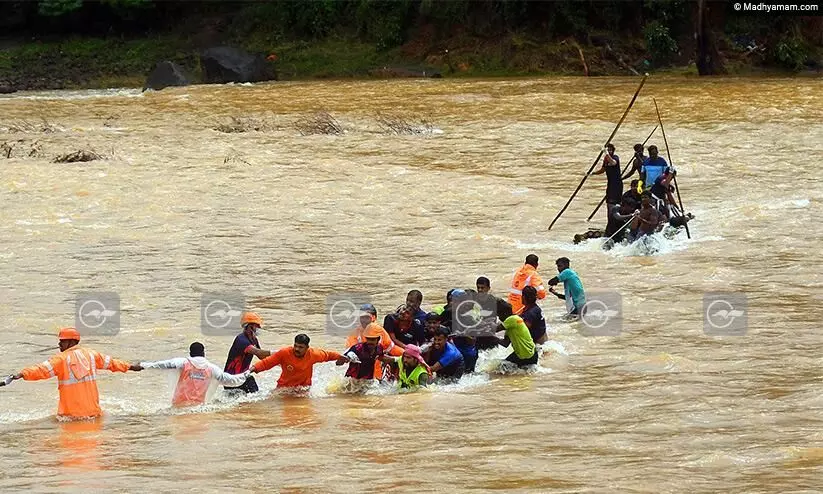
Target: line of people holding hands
x=412 y=348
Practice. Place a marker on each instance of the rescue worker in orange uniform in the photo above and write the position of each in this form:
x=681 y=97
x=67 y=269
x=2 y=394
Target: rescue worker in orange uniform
x=196 y=376
x=525 y=276
x=76 y=369
x=297 y=362
x=368 y=318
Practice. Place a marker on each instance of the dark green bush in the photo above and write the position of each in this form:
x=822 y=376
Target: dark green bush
x=659 y=43
x=791 y=52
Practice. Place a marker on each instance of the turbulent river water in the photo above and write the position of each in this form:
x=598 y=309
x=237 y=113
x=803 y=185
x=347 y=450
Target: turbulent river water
x=177 y=209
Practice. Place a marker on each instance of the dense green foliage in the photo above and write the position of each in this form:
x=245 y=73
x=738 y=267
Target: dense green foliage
x=661 y=46
x=53 y=41
x=385 y=22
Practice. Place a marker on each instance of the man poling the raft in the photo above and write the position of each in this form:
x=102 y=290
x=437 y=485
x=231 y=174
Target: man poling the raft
x=656 y=174
x=597 y=160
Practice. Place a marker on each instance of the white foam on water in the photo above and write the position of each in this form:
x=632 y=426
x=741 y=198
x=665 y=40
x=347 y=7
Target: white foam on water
x=788 y=204
x=537 y=245
x=17 y=417
x=651 y=245
x=75 y=95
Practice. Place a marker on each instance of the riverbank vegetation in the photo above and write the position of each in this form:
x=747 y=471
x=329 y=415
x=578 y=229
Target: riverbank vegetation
x=78 y=43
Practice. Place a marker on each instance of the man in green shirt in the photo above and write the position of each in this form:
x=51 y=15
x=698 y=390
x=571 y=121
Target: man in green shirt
x=517 y=333
x=574 y=295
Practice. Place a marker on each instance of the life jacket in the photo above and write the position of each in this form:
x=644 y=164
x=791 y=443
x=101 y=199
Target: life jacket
x=192 y=385
x=412 y=379
x=525 y=276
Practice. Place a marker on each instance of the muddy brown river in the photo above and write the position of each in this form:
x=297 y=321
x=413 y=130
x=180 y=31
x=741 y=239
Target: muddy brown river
x=177 y=209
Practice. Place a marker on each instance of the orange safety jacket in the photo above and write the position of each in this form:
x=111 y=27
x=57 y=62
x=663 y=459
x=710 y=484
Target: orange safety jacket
x=525 y=276
x=76 y=373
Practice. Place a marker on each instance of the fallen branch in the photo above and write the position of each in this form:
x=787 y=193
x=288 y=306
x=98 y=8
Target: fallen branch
x=400 y=125
x=243 y=124
x=78 y=156
x=25 y=126
x=7 y=149
x=233 y=156
x=582 y=58
x=620 y=60
x=319 y=123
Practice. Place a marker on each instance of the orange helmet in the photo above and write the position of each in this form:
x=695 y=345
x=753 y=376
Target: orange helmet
x=251 y=318
x=68 y=334
x=372 y=331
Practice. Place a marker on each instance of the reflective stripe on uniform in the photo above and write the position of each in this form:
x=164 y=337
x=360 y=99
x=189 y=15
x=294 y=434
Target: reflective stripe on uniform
x=48 y=366
x=107 y=362
x=515 y=291
x=72 y=380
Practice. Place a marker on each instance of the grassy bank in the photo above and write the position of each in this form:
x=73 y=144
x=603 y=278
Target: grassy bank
x=82 y=62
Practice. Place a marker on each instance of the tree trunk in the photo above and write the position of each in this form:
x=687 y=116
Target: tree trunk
x=708 y=56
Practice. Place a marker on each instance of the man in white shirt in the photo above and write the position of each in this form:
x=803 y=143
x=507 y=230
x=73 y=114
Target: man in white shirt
x=196 y=376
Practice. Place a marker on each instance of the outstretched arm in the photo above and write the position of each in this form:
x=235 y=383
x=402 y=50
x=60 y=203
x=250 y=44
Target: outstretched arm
x=226 y=379
x=44 y=370
x=173 y=363
x=267 y=362
x=112 y=364
x=261 y=354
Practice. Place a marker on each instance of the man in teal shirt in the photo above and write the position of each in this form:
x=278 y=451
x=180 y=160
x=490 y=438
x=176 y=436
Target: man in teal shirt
x=574 y=295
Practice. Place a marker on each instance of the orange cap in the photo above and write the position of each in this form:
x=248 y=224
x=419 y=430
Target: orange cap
x=251 y=318
x=372 y=331
x=68 y=334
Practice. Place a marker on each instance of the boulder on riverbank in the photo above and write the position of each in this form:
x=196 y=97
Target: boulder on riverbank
x=224 y=64
x=166 y=74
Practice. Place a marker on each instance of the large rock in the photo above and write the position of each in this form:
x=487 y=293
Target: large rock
x=224 y=64
x=166 y=74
